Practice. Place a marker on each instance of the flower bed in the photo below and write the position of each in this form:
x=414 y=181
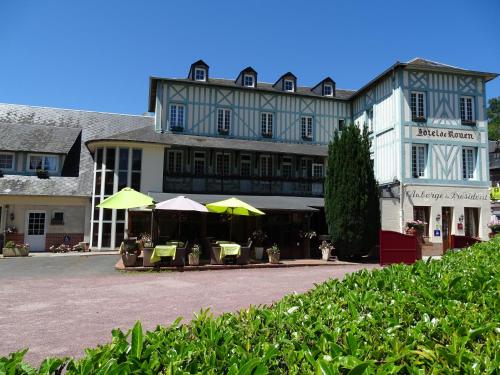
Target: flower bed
x=439 y=316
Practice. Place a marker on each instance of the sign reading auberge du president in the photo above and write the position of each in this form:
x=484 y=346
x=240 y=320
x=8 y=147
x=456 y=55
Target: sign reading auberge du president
x=433 y=195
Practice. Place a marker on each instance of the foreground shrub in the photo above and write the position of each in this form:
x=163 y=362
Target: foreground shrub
x=432 y=317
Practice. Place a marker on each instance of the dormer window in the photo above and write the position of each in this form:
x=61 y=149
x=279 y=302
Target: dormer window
x=248 y=80
x=200 y=74
x=288 y=85
x=328 y=90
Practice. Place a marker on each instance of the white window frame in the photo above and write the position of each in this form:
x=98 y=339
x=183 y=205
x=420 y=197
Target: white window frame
x=329 y=87
x=12 y=163
x=176 y=123
x=203 y=72
x=469 y=171
x=245 y=159
x=420 y=97
x=224 y=121
x=175 y=156
x=251 y=76
x=43 y=156
x=288 y=81
x=313 y=171
x=223 y=155
x=420 y=171
x=469 y=110
x=268 y=166
x=267 y=123
x=306 y=126
x=199 y=156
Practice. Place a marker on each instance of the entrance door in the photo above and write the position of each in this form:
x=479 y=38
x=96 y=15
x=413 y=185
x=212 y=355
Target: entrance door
x=446 y=217
x=35 y=230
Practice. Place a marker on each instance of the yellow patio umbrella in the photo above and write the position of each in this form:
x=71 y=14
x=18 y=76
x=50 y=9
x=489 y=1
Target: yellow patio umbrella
x=233 y=206
x=127 y=198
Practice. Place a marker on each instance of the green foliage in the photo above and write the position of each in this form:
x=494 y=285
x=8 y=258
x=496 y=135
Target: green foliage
x=493 y=112
x=10 y=245
x=351 y=193
x=434 y=317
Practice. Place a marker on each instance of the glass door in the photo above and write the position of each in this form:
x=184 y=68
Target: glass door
x=446 y=217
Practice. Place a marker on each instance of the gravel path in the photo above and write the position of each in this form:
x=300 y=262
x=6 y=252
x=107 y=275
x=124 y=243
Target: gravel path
x=59 y=306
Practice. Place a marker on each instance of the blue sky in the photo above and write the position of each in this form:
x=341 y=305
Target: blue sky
x=98 y=55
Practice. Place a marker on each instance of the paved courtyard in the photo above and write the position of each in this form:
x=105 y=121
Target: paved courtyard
x=57 y=306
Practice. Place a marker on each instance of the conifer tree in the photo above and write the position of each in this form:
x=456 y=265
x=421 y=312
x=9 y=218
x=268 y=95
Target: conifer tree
x=352 y=206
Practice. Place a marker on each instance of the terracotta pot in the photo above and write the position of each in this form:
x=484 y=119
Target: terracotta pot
x=274 y=258
x=129 y=259
x=194 y=259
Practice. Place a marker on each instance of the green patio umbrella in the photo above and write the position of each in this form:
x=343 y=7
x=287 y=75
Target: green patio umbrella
x=127 y=198
x=233 y=206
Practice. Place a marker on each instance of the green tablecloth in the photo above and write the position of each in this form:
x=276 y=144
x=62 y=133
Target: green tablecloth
x=163 y=251
x=229 y=249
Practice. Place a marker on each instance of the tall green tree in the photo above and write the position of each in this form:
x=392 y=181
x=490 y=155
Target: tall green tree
x=493 y=112
x=352 y=206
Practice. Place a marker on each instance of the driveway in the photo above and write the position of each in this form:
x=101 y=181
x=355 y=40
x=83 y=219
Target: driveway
x=57 y=306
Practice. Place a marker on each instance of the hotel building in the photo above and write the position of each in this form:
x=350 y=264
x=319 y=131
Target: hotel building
x=210 y=138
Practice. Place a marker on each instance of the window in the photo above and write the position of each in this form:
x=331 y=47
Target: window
x=341 y=124
x=199 y=74
x=174 y=161
x=176 y=116
x=267 y=124
x=418 y=160
x=471 y=216
x=57 y=218
x=317 y=170
x=417 y=105
x=245 y=166
x=466 y=110
x=328 y=90
x=6 y=162
x=248 y=80
x=306 y=167
x=199 y=163
x=370 y=119
x=286 y=167
x=288 y=85
x=468 y=162
x=266 y=166
x=45 y=162
x=223 y=164
x=422 y=213
x=223 y=120
x=307 y=127
x=136 y=169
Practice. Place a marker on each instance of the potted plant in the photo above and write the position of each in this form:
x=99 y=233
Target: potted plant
x=129 y=251
x=23 y=249
x=9 y=249
x=274 y=254
x=494 y=227
x=146 y=240
x=194 y=255
x=62 y=248
x=258 y=237
x=326 y=250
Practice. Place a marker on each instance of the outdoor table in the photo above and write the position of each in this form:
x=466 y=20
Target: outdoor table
x=222 y=242
x=176 y=243
x=163 y=251
x=229 y=249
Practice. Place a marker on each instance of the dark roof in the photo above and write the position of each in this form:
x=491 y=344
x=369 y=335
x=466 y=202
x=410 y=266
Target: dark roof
x=149 y=135
x=424 y=64
x=262 y=202
x=32 y=185
x=287 y=74
x=228 y=83
x=327 y=79
x=92 y=125
x=37 y=138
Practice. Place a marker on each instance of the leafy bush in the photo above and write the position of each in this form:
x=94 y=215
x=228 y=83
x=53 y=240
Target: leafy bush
x=431 y=317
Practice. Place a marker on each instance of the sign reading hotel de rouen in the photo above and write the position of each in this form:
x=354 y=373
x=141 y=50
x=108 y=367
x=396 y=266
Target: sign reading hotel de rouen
x=448 y=134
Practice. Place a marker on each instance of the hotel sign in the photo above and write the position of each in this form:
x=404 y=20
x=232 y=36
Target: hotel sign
x=453 y=195
x=445 y=134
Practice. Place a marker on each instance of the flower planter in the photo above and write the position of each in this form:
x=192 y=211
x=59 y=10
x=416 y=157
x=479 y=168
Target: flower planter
x=274 y=259
x=259 y=252
x=15 y=252
x=194 y=259
x=129 y=259
x=325 y=255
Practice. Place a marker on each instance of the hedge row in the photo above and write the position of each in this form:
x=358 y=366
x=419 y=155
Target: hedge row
x=432 y=317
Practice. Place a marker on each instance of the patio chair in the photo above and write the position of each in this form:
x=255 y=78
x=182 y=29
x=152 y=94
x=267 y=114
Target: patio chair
x=180 y=256
x=215 y=255
x=244 y=256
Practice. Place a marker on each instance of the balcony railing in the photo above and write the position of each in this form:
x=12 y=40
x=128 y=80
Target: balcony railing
x=211 y=184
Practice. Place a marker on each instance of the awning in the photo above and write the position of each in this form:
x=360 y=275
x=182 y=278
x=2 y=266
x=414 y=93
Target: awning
x=262 y=202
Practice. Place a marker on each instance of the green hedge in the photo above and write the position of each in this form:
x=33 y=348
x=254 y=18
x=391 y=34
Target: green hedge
x=432 y=317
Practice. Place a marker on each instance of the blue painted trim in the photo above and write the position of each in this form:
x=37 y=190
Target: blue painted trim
x=432 y=181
